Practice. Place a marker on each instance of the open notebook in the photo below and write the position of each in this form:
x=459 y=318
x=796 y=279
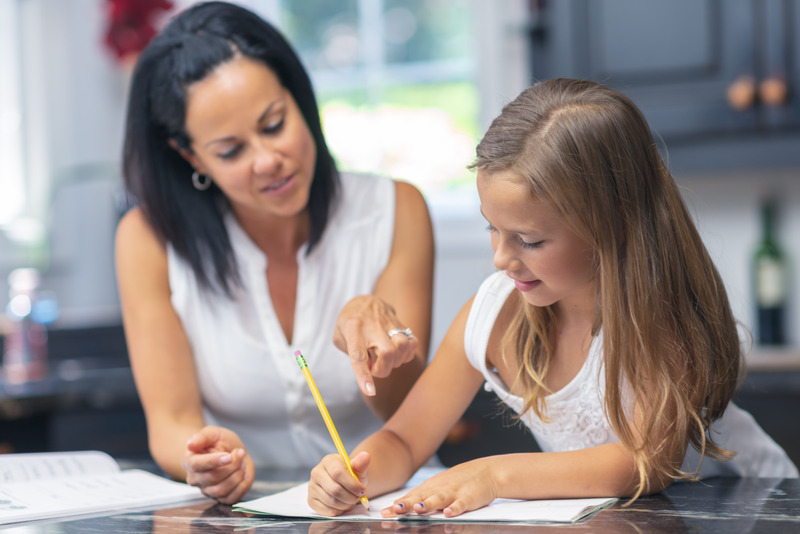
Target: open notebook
x=60 y=484
x=293 y=503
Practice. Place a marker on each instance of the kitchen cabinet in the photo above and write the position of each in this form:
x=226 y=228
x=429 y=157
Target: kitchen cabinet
x=686 y=63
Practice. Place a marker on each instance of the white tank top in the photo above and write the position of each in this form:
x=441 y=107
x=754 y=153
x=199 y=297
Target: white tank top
x=248 y=376
x=576 y=412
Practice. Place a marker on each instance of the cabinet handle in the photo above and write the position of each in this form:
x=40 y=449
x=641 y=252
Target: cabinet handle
x=741 y=94
x=772 y=91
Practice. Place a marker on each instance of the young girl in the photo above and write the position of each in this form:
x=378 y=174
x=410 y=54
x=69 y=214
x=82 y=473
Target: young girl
x=607 y=328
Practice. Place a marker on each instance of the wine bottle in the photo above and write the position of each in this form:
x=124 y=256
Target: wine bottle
x=770 y=281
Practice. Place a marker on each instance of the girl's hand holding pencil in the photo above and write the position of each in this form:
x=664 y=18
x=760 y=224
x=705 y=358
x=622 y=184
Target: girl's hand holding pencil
x=332 y=490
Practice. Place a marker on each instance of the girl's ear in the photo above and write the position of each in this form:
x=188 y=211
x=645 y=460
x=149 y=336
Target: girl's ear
x=187 y=155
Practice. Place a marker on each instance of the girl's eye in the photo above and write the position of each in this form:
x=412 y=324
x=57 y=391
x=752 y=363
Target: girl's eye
x=525 y=244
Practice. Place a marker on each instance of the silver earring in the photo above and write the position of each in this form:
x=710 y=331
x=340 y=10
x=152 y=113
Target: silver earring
x=201 y=182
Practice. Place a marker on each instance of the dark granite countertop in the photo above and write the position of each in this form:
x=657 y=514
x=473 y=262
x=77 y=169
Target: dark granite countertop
x=719 y=505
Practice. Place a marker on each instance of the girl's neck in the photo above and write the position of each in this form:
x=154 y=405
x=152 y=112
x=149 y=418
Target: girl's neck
x=577 y=313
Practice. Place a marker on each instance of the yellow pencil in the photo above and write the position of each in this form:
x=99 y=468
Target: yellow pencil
x=327 y=417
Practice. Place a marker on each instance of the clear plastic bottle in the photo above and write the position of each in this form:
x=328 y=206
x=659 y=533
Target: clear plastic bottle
x=25 y=354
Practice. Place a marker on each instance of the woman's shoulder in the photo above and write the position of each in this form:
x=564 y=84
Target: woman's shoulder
x=140 y=255
x=134 y=231
x=133 y=224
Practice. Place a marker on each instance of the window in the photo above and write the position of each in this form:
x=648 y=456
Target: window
x=12 y=193
x=395 y=80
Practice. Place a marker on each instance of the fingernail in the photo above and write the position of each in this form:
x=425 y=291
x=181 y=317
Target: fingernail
x=225 y=459
x=420 y=505
x=370 y=388
x=400 y=505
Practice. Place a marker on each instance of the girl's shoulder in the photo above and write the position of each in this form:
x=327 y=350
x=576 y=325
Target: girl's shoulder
x=494 y=289
x=493 y=307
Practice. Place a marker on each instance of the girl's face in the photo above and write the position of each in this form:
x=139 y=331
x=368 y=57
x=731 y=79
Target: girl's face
x=250 y=137
x=548 y=262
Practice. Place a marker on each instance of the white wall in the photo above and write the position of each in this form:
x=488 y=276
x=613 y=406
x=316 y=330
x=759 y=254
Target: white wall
x=74 y=104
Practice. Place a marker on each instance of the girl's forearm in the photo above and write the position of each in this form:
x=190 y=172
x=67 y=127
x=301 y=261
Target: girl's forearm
x=602 y=471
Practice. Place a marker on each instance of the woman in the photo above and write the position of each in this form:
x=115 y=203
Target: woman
x=246 y=245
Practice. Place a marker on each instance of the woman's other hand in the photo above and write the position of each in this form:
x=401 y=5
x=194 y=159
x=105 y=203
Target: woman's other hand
x=217 y=462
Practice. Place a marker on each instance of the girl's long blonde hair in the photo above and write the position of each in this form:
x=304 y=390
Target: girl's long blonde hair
x=668 y=330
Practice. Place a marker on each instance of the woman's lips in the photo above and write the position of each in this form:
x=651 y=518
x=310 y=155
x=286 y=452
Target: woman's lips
x=279 y=187
x=526 y=286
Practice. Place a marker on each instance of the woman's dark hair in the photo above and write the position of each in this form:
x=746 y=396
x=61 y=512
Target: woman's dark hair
x=190 y=47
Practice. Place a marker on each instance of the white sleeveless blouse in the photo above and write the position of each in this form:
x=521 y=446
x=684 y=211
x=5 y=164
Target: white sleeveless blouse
x=576 y=412
x=248 y=376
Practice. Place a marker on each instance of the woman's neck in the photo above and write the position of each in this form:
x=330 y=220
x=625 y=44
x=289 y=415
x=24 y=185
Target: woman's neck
x=277 y=237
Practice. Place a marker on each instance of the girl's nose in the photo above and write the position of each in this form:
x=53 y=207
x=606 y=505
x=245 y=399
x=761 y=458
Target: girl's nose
x=504 y=257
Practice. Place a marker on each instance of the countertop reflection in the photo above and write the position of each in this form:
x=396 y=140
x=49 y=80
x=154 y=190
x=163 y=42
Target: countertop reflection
x=729 y=505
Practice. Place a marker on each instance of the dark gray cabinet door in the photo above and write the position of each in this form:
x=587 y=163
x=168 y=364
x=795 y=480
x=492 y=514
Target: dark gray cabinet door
x=675 y=58
x=778 y=56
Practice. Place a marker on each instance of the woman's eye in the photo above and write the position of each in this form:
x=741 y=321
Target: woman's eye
x=274 y=127
x=490 y=228
x=230 y=153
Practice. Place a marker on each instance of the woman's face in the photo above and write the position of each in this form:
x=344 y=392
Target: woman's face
x=249 y=136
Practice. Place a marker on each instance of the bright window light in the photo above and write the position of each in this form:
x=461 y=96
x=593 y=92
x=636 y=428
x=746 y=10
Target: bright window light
x=395 y=80
x=12 y=192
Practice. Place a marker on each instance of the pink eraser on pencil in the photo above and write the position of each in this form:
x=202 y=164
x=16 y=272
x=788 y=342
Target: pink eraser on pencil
x=297 y=353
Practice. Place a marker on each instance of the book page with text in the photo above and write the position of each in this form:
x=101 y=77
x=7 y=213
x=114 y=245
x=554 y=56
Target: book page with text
x=48 y=465
x=49 y=485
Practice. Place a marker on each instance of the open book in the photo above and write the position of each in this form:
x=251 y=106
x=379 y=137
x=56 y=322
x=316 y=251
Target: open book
x=58 y=484
x=293 y=503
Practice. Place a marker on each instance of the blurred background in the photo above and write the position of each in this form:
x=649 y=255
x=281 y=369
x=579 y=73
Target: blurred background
x=406 y=88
